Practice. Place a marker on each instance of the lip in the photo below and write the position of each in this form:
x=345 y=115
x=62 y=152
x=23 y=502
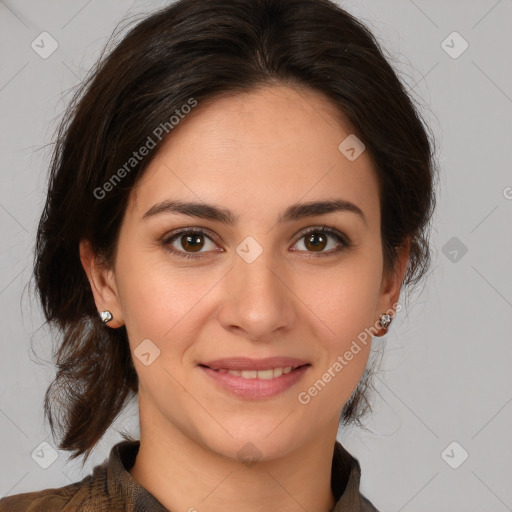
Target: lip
x=246 y=363
x=255 y=388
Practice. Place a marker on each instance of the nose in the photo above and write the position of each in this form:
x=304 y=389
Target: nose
x=258 y=299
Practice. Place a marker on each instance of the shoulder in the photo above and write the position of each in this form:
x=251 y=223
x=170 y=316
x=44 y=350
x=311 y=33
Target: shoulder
x=109 y=488
x=345 y=480
x=48 y=500
x=79 y=496
x=367 y=505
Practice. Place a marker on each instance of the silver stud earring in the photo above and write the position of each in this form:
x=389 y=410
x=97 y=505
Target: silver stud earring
x=105 y=316
x=384 y=320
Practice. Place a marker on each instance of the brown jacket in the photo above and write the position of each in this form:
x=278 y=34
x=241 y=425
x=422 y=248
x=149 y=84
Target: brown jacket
x=110 y=488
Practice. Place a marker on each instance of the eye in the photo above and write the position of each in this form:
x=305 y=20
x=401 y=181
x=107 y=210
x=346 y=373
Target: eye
x=190 y=242
x=317 y=239
x=187 y=242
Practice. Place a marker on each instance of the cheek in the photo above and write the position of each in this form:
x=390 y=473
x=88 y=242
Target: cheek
x=155 y=295
x=343 y=307
x=345 y=297
x=345 y=349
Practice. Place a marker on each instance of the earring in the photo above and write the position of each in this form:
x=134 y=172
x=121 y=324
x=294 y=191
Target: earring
x=384 y=320
x=105 y=316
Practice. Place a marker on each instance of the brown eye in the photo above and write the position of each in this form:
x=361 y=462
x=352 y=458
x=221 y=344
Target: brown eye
x=187 y=242
x=316 y=241
x=192 y=242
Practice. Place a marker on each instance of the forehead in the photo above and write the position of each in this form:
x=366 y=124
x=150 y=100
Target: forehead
x=257 y=151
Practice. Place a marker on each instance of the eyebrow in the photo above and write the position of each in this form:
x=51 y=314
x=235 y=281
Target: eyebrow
x=216 y=213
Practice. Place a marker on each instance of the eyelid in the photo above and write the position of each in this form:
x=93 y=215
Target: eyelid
x=328 y=230
x=167 y=237
x=341 y=238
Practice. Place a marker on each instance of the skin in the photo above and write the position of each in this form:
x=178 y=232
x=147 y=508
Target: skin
x=239 y=152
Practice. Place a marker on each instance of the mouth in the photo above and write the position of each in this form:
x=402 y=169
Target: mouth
x=266 y=374
x=255 y=379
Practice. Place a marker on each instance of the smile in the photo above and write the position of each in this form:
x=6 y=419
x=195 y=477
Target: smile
x=255 y=384
x=271 y=373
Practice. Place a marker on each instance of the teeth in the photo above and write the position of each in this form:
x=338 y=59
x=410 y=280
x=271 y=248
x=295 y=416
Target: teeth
x=271 y=373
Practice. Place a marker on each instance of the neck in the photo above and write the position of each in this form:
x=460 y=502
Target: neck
x=183 y=474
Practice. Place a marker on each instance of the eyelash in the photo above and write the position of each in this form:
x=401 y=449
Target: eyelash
x=339 y=237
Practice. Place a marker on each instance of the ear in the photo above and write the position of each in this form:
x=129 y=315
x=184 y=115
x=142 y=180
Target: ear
x=103 y=284
x=391 y=285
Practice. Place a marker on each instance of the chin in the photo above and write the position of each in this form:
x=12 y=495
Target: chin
x=252 y=443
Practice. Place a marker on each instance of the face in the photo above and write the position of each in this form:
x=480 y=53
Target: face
x=257 y=280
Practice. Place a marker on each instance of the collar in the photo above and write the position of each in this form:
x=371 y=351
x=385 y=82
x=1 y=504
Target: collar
x=345 y=478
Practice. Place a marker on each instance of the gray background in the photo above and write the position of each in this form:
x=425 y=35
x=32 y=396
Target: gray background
x=446 y=372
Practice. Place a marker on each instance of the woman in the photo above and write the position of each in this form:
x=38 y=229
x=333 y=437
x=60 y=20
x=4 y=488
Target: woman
x=238 y=194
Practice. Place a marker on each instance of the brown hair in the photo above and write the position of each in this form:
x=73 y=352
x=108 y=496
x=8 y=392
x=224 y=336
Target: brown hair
x=197 y=49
